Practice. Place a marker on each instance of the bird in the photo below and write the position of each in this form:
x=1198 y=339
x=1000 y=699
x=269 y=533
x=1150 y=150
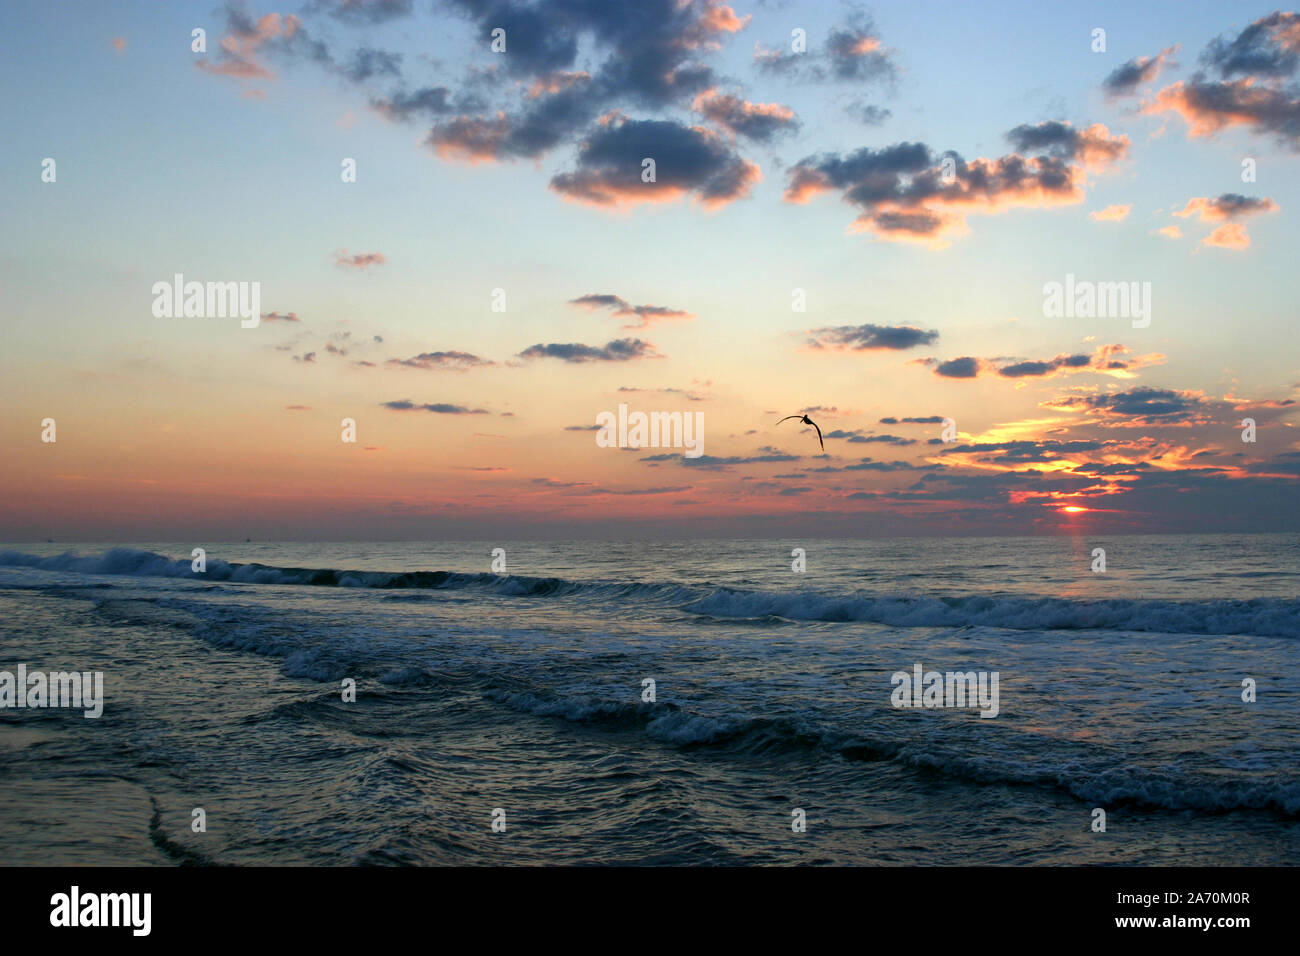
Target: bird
x=807 y=421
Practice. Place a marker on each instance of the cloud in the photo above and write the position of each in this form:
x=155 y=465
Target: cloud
x=1027 y=452
x=435 y=361
x=865 y=337
x=555 y=483
x=402 y=106
x=907 y=193
x=1036 y=369
x=867 y=464
x=439 y=408
x=619 y=350
x=280 y=317
x=1268 y=47
x=1111 y=214
x=868 y=114
x=713 y=462
x=1226 y=207
x=621 y=308
x=688 y=159
x=244 y=40
x=965 y=367
x=1124 y=80
x=1112 y=360
x=1094 y=146
x=119 y=44
x=665 y=490
x=761 y=122
x=367 y=63
x=927 y=420
x=852 y=52
x=1248 y=80
x=855 y=437
x=642 y=52
x=361 y=260
x=1170 y=232
x=364 y=11
x=307 y=358
x=1230 y=235
x=297 y=408
x=1138 y=406
x=688 y=395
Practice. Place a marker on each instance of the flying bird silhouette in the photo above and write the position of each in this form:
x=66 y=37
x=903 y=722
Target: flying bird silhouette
x=807 y=421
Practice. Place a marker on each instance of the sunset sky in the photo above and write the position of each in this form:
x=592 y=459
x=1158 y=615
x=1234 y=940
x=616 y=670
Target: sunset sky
x=821 y=171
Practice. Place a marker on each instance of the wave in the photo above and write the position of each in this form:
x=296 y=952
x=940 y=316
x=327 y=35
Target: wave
x=768 y=736
x=1263 y=617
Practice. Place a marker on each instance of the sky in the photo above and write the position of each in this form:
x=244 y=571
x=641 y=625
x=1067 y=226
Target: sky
x=857 y=214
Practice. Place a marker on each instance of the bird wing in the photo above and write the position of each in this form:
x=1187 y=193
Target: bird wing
x=819 y=436
x=788 y=417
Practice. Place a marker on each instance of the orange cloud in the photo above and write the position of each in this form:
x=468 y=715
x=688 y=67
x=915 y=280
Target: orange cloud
x=1111 y=214
x=1230 y=235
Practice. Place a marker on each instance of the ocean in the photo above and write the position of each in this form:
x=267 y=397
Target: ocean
x=510 y=719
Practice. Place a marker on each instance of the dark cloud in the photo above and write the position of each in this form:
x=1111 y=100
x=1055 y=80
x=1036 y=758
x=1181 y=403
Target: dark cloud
x=645 y=51
x=1268 y=47
x=366 y=63
x=1013 y=452
x=1247 y=80
x=453 y=360
x=646 y=315
x=429 y=101
x=1141 y=405
x=1139 y=71
x=1229 y=206
x=1066 y=142
x=761 y=122
x=440 y=408
x=687 y=160
x=1034 y=369
x=870 y=337
x=363 y=11
x=619 y=350
x=927 y=420
x=965 y=367
x=713 y=461
x=867 y=464
x=688 y=395
x=869 y=114
x=1114 y=360
x=907 y=192
x=885 y=439
x=851 y=53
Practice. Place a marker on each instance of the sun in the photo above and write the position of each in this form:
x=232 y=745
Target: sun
x=1073 y=509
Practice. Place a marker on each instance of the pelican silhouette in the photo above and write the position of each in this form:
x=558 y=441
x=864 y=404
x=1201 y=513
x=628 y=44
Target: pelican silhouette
x=807 y=421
